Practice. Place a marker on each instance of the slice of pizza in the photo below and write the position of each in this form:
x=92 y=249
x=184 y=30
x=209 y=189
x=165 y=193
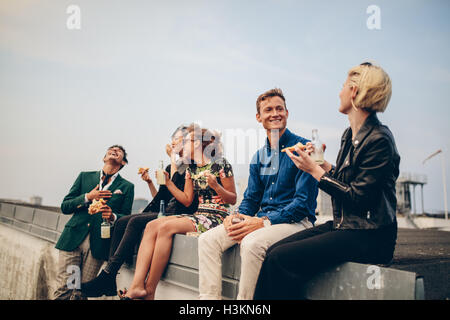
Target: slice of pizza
x=96 y=205
x=143 y=170
x=292 y=149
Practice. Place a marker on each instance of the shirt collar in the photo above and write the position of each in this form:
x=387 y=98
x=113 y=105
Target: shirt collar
x=284 y=140
x=112 y=177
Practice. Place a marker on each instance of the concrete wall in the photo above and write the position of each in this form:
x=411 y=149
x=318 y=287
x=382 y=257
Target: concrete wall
x=28 y=264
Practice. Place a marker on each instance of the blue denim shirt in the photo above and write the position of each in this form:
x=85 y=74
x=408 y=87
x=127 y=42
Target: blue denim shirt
x=277 y=188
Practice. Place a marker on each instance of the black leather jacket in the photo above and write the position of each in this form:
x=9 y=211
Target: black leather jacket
x=362 y=185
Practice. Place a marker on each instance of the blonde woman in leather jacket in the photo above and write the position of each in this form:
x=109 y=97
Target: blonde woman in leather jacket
x=362 y=187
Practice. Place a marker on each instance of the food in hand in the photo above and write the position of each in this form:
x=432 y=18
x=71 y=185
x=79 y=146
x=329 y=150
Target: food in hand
x=143 y=170
x=96 y=206
x=292 y=149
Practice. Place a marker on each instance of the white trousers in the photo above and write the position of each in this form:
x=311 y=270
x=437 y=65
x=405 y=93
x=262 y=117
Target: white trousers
x=214 y=242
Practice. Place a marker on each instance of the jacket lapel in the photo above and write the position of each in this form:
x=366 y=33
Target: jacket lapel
x=340 y=158
x=115 y=183
x=367 y=127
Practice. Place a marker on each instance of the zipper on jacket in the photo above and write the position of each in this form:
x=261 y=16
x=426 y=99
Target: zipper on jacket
x=342 y=219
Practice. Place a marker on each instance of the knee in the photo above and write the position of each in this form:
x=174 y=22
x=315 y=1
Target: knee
x=208 y=240
x=133 y=221
x=250 y=245
x=149 y=228
x=165 y=229
x=122 y=222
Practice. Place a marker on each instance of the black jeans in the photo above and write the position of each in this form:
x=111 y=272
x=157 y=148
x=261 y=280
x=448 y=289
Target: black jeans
x=126 y=235
x=291 y=262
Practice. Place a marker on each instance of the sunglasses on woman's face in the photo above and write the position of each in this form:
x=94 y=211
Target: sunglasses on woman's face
x=366 y=64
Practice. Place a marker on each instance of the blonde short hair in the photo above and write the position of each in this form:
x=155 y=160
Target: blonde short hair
x=374 y=87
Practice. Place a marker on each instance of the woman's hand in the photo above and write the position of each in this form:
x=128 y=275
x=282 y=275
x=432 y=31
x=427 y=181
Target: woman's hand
x=309 y=148
x=168 y=181
x=212 y=180
x=169 y=149
x=146 y=177
x=304 y=162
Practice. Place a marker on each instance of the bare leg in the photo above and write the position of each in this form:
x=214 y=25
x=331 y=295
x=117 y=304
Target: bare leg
x=144 y=258
x=163 y=247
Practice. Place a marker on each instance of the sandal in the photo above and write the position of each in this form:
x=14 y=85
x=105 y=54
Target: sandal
x=122 y=295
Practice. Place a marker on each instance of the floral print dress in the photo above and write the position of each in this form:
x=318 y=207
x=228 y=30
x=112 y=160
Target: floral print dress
x=212 y=210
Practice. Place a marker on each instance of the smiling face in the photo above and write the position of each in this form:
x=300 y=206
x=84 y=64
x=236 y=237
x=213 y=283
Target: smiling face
x=273 y=114
x=115 y=155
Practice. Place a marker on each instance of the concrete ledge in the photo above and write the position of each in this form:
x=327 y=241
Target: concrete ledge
x=347 y=281
x=188 y=278
x=46 y=219
x=22 y=225
x=62 y=220
x=7 y=210
x=363 y=282
x=24 y=214
x=184 y=246
x=44 y=233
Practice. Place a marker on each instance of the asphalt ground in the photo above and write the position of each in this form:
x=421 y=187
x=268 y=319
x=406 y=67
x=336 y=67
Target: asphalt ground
x=427 y=253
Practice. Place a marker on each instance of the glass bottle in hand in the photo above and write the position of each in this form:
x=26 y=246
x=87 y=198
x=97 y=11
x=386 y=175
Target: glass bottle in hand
x=105 y=229
x=317 y=154
x=160 y=177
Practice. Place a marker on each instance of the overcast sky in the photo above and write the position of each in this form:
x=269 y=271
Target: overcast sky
x=135 y=70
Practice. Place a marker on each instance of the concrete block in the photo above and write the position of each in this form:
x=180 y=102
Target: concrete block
x=44 y=233
x=6 y=220
x=188 y=278
x=46 y=219
x=24 y=214
x=22 y=225
x=185 y=253
x=355 y=281
x=62 y=220
x=7 y=210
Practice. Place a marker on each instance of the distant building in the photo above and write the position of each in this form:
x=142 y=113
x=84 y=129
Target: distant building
x=405 y=182
x=139 y=204
x=36 y=200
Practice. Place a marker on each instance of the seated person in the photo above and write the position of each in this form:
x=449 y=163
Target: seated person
x=362 y=189
x=128 y=230
x=212 y=180
x=282 y=197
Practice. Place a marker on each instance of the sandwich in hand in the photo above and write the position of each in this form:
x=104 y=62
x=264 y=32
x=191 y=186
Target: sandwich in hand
x=143 y=170
x=292 y=149
x=96 y=206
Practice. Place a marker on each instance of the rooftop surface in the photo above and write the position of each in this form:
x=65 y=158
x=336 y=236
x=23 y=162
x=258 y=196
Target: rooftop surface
x=426 y=252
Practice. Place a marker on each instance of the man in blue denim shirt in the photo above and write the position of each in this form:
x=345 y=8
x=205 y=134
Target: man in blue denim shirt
x=282 y=197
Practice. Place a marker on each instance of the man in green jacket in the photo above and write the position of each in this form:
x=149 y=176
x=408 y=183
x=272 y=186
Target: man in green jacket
x=82 y=250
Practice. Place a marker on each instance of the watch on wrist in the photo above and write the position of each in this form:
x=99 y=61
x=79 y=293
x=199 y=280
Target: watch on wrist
x=266 y=221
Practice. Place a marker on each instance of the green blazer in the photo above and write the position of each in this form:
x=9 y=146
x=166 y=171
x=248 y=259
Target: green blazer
x=82 y=223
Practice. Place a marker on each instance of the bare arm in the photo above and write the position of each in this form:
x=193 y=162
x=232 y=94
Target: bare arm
x=185 y=197
x=145 y=176
x=227 y=191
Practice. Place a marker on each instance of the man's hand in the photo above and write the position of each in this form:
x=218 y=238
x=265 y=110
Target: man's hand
x=97 y=194
x=107 y=213
x=238 y=231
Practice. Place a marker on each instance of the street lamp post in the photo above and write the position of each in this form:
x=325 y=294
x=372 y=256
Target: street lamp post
x=443 y=177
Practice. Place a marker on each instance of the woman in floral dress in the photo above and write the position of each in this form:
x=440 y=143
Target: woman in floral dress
x=213 y=182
